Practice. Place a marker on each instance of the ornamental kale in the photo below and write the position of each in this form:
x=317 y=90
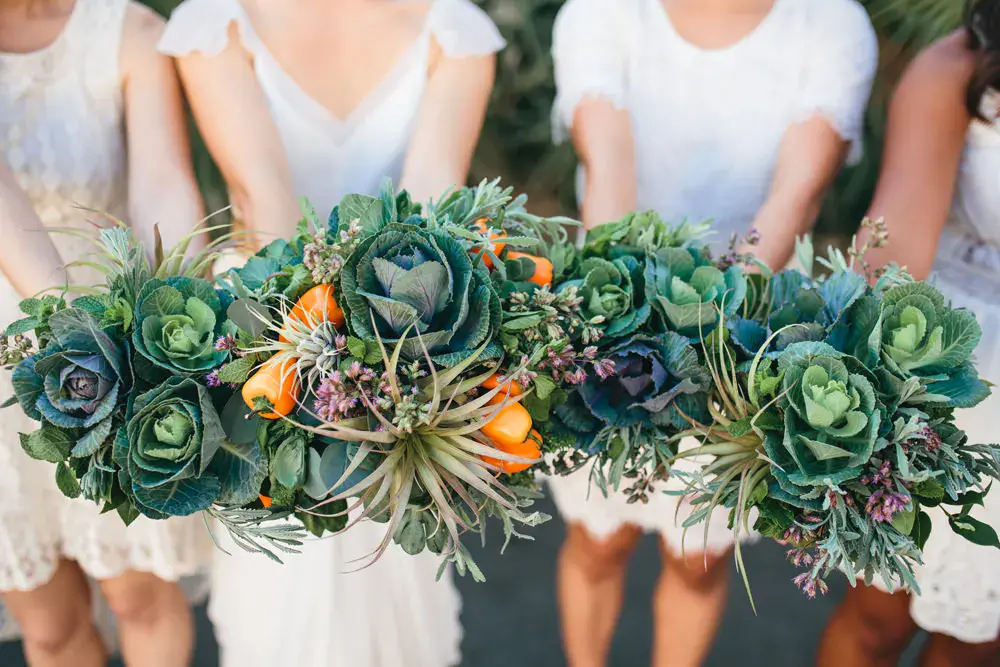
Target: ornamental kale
x=405 y=276
x=612 y=294
x=178 y=322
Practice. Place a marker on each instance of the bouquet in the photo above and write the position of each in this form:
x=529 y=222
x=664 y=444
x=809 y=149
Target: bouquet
x=393 y=363
x=825 y=407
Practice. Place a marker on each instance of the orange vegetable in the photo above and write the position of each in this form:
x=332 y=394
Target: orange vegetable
x=543 y=268
x=510 y=388
x=496 y=248
x=315 y=306
x=509 y=427
x=265 y=501
x=529 y=449
x=278 y=382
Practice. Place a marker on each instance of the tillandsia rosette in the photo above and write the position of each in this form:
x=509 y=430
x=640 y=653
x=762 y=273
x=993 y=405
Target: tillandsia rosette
x=400 y=363
x=833 y=420
x=121 y=381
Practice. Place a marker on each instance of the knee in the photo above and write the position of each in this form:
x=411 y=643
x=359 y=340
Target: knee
x=880 y=622
x=138 y=599
x=702 y=573
x=52 y=631
x=600 y=559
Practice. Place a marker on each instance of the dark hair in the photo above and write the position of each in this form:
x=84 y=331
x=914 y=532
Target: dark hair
x=982 y=25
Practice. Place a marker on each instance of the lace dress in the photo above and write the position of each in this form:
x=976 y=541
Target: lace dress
x=61 y=134
x=959 y=581
x=707 y=126
x=320 y=609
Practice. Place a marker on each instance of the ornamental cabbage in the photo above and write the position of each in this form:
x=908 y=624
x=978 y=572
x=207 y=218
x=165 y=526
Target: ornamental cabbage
x=164 y=451
x=689 y=291
x=831 y=418
x=654 y=376
x=917 y=335
x=613 y=291
x=405 y=276
x=178 y=322
x=76 y=382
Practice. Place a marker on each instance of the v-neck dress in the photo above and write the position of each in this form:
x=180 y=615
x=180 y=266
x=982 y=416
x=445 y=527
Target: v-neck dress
x=320 y=609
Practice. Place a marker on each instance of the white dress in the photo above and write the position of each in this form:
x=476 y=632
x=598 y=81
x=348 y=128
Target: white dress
x=61 y=134
x=959 y=581
x=707 y=126
x=317 y=610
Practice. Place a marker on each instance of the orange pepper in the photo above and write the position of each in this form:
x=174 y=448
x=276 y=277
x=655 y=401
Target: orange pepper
x=529 y=449
x=278 y=382
x=508 y=389
x=495 y=248
x=509 y=427
x=315 y=306
x=543 y=268
x=265 y=501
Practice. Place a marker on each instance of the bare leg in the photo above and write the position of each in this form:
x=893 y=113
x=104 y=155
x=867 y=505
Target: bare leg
x=56 y=621
x=155 y=624
x=591 y=581
x=944 y=651
x=869 y=629
x=688 y=606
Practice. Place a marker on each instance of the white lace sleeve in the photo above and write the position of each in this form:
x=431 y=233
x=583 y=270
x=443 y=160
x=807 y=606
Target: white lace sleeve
x=590 y=53
x=464 y=30
x=842 y=60
x=200 y=25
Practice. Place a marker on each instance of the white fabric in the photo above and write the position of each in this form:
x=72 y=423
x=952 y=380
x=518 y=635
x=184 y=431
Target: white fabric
x=394 y=612
x=708 y=124
x=959 y=581
x=61 y=134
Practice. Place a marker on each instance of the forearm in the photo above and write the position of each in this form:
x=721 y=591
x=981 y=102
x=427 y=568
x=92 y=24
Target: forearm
x=27 y=256
x=268 y=212
x=173 y=206
x=607 y=198
x=783 y=218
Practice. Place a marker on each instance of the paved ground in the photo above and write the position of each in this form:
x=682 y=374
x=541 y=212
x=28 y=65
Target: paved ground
x=511 y=619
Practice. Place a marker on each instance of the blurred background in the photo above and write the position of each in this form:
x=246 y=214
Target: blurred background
x=512 y=617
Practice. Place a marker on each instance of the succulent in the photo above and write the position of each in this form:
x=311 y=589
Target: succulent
x=404 y=276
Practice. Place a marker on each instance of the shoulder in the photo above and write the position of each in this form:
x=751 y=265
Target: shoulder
x=939 y=76
x=142 y=29
x=201 y=25
x=583 y=16
x=462 y=29
x=836 y=23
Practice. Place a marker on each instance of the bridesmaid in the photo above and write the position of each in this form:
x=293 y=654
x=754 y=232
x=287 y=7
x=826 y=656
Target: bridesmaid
x=940 y=196
x=738 y=110
x=320 y=99
x=90 y=114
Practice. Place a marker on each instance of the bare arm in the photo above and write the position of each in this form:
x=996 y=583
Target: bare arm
x=928 y=122
x=602 y=136
x=27 y=256
x=448 y=126
x=810 y=156
x=236 y=123
x=162 y=187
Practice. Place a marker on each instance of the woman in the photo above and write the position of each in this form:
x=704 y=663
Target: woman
x=940 y=196
x=321 y=99
x=736 y=110
x=90 y=115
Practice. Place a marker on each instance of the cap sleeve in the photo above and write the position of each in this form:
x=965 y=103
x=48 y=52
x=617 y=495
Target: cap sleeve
x=590 y=52
x=464 y=30
x=842 y=60
x=201 y=25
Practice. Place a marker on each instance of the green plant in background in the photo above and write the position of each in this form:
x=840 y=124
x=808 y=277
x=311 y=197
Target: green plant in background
x=517 y=142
